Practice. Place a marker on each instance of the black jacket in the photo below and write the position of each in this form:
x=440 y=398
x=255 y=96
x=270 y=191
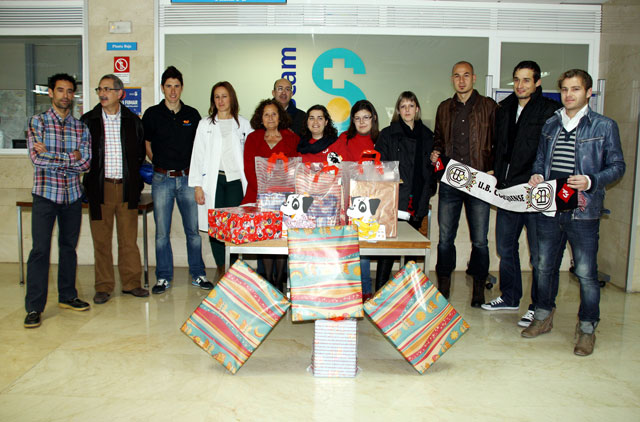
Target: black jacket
x=394 y=145
x=133 y=153
x=515 y=154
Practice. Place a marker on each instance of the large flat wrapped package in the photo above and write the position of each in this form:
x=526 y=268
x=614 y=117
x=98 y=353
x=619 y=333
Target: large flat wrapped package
x=244 y=224
x=335 y=348
x=234 y=319
x=324 y=270
x=415 y=317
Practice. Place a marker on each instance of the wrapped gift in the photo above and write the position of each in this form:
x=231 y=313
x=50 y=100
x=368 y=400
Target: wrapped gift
x=324 y=271
x=335 y=348
x=236 y=317
x=244 y=224
x=415 y=316
x=323 y=183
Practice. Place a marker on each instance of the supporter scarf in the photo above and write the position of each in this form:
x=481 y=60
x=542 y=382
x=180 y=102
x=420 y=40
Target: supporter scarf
x=548 y=196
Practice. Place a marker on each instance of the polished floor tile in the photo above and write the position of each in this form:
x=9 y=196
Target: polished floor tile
x=127 y=360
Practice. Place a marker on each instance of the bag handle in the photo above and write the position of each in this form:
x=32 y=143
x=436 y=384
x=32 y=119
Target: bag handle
x=271 y=162
x=325 y=169
x=369 y=152
x=375 y=159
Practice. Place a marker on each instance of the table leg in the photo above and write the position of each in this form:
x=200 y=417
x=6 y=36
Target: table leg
x=20 y=255
x=145 y=248
x=227 y=257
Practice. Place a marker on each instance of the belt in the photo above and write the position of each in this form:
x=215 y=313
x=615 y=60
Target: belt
x=114 y=181
x=172 y=173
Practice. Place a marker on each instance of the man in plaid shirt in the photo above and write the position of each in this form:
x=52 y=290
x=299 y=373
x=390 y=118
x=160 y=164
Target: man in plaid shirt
x=60 y=149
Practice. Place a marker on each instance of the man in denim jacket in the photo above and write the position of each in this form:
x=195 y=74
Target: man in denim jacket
x=585 y=147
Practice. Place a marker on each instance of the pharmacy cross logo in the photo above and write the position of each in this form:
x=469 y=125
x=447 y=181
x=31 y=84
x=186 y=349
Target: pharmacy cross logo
x=333 y=72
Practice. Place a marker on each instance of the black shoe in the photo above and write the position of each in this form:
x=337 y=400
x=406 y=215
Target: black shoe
x=74 y=304
x=161 y=286
x=32 y=320
x=477 y=299
x=101 y=297
x=444 y=285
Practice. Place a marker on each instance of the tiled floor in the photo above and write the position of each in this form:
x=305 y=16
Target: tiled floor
x=127 y=361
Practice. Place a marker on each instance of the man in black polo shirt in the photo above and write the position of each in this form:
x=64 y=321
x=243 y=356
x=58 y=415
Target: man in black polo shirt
x=169 y=129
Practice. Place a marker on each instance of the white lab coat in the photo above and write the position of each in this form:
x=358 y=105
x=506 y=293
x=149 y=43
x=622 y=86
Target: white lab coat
x=205 y=161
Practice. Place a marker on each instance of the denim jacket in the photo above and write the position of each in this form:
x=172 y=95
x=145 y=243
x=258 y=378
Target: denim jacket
x=598 y=154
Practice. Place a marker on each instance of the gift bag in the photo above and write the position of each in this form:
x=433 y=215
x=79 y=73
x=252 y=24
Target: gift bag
x=415 y=317
x=236 y=316
x=373 y=193
x=323 y=183
x=244 y=224
x=276 y=177
x=324 y=270
x=335 y=348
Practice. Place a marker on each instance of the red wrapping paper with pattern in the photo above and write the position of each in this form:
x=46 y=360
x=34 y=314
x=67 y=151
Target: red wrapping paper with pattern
x=244 y=224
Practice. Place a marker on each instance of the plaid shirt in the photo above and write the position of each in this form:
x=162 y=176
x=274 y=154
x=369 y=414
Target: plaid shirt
x=112 y=145
x=57 y=172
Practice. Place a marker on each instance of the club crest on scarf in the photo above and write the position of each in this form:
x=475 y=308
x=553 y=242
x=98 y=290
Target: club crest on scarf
x=461 y=176
x=541 y=197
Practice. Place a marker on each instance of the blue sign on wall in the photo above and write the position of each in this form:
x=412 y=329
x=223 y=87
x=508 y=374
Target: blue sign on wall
x=133 y=100
x=121 y=46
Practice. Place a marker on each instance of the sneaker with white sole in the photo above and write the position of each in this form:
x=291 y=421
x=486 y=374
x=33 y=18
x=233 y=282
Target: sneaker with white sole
x=498 y=304
x=526 y=319
x=202 y=282
x=161 y=286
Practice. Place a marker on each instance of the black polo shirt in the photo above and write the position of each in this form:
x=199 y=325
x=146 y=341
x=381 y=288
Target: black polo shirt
x=171 y=135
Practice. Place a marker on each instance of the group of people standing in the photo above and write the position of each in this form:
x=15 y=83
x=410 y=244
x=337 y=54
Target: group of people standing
x=209 y=163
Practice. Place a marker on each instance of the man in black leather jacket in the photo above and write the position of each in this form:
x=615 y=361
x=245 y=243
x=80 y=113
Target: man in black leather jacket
x=519 y=120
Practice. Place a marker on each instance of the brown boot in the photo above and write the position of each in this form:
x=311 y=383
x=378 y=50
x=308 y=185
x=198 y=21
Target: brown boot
x=538 y=327
x=586 y=342
x=477 y=298
x=444 y=285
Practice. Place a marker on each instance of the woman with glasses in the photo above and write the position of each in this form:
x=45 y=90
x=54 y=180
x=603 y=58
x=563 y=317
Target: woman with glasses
x=318 y=135
x=271 y=136
x=360 y=136
x=217 y=166
x=408 y=141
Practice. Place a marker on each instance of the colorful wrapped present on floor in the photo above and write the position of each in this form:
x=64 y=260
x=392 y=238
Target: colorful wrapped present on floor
x=236 y=317
x=417 y=319
x=244 y=224
x=335 y=348
x=324 y=270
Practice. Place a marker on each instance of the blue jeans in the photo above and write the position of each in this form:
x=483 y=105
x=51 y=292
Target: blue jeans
x=165 y=191
x=365 y=275
x=583 y=235
x=43 y=216
x=450 y=201
x=509 y=226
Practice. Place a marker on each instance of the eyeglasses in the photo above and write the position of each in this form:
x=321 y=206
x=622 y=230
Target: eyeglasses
x=362 y=119
x=283 y=88
x=106 y=89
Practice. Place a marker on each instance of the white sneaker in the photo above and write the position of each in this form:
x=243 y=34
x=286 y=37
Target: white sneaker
x=161 y=286
x=526 y=319
x=498 y=305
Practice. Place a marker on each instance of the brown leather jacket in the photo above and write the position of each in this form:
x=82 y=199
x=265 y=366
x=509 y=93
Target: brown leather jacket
x=481 y=125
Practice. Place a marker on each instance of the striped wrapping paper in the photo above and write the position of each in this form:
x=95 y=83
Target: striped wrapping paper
x=335 y=348
x=324 y=270
x=236 y=317
x=417 y=319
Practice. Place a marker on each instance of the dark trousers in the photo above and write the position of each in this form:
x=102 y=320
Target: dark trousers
x=450 y=202
x=43 y=217
x=228 y=194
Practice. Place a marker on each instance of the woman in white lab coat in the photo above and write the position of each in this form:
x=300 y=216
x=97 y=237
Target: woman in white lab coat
x=217 y=169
